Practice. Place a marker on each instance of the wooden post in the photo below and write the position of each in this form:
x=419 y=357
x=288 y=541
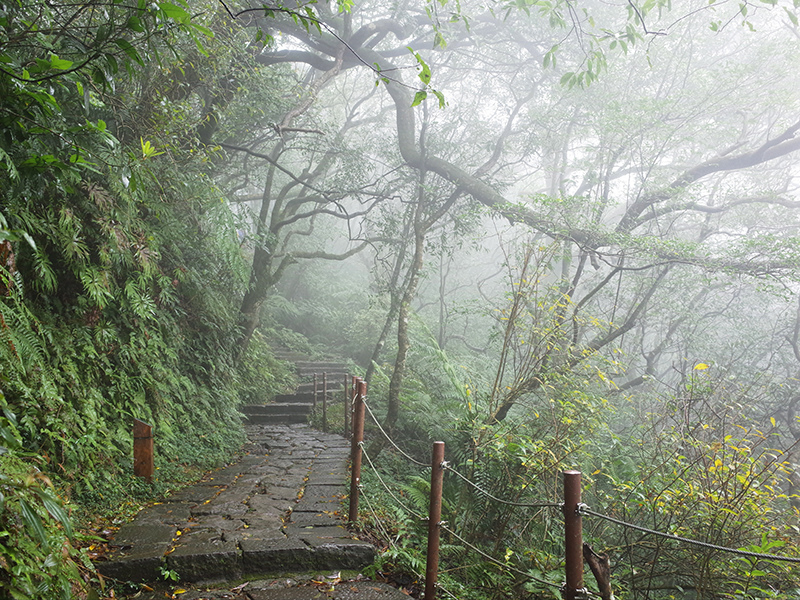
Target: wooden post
x=347 y=403
x=142 y=450
x=325 y=402
x=315 y=391
x=434 y=520
x=573 y=537
x=355 y=449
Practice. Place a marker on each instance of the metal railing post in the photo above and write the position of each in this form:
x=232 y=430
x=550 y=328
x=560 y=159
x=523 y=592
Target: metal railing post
x=325 y=402
x=142 y=449
x=434 y=520
x=355 y=449
x=573 y=537
x=346 y=392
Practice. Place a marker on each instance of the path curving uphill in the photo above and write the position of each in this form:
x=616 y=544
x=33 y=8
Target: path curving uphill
x=275 y=510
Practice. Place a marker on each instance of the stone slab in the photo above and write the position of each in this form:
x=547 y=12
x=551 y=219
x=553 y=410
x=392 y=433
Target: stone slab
x=273 y=556
x=218 y=523
x=173 y=513
x=264 y=504
x=306 y=519
x=142 y=565
x=232 y=510
x=317 y=478
x=320 y=536
x=264 y=525
x=206 y=556
x=194 y=494
x=224 y=476
x=345 y=554
x=324 y=491
x=280 y=493
x=317 y=507
x=144 y=535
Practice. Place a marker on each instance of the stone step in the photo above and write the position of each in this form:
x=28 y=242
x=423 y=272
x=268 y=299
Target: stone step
x=333 y=376
x=285 y=418
x=309 y=369
x=304 y=398
x=277 y=408
x=321 y=365
x=333 y=386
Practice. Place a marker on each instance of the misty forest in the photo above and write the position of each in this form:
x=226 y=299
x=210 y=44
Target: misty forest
x=554 y=234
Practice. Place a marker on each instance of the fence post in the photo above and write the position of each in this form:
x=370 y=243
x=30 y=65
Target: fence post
x=355 y=448
x=314 y=405
x=142 y=450
x=325 y=402
x=347 y=403
x=434 y=520
x=573 y=537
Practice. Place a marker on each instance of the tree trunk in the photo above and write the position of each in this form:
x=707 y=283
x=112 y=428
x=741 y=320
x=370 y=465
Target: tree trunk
x=403 y=313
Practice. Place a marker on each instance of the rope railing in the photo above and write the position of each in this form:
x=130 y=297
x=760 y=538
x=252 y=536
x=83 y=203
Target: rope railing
x=483 y=492
x=583 y=509
x=405 y=455
x=498 y=562
x=388 y=489
x=572 y=508
x=402 y=504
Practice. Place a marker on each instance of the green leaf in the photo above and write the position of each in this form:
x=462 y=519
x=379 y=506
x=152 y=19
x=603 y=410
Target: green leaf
x=440 y=96
x=32 y=521
x=126 y=46
x=135 y=24
x=175 y=12
x=425 y=73
x=56 y=511
x=419 y=97
x=59 y=63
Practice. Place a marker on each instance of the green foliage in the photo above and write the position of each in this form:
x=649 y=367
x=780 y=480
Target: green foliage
x=261 y=376
x=700 y=468
x=37 y=556
x=120 y=275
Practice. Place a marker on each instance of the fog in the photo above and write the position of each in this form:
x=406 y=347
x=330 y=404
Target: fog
x=524 y=207
x=553 y=234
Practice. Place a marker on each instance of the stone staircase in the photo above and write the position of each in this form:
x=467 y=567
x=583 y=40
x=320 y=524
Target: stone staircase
x=296 y=408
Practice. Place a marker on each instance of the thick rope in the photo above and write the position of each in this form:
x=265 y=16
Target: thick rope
x=500 y=500
x=586 y=511
x=391 y=441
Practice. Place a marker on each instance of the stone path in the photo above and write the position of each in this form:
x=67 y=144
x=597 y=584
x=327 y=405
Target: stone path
x=276 y=510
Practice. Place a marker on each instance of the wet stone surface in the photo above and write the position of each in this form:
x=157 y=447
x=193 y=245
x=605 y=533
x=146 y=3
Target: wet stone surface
x=275 y=510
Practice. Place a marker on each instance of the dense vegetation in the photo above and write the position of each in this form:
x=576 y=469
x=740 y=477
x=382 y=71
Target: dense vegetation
x=554 y=236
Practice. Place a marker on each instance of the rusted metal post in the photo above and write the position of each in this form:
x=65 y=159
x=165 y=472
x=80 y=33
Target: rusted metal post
x=142 y=450
x=346 y=392
x=573 y=537
x=355 y=449
x=352 y=404
x=314 y=405
x=434 y=520
x=325 y=402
